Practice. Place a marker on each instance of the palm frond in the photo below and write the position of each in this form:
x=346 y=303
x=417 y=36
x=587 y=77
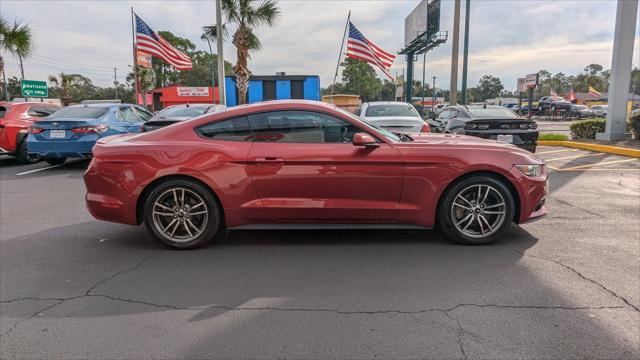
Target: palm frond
x=211 y=31
x=268 y=13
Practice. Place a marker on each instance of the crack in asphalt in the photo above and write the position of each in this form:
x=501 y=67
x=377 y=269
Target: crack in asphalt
x=577 y=207
x=135 y=267
x=582 y=276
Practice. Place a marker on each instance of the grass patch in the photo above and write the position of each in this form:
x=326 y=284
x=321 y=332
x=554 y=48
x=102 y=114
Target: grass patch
x=553 y=137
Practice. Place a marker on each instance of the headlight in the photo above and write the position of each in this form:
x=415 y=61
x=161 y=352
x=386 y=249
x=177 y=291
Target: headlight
x=469 y=126
x=530 y=170
x=483 y=126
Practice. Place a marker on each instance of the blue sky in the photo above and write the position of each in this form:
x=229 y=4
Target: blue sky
x=508 y=38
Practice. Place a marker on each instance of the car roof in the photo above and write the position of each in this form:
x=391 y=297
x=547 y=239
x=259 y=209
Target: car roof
x=192 y=105
x=100 y=105
x=385 y=103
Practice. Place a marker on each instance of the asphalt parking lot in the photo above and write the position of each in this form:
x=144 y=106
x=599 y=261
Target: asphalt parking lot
x=567 y=286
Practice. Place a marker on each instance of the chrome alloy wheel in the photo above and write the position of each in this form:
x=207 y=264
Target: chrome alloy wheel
x=478 y=211
x=180 y=214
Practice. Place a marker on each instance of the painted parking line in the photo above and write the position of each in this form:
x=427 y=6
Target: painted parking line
x=48 y=167
x=587 y=166
x=576 y=156
x=556 y=151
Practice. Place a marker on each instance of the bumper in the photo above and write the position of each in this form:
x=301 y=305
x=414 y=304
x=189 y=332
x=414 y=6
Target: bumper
x=533 y=195
x=60 y=149
x=113 y=188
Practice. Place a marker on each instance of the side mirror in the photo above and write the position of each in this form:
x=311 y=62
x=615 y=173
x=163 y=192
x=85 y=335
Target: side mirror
x=366 y=140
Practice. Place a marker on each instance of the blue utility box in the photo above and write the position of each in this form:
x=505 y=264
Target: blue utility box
x=275 y=87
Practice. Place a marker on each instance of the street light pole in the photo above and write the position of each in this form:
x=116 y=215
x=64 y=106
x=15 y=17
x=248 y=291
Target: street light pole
x=465 y=54
x=221 y=80
x=453 y=87
x=213 y=66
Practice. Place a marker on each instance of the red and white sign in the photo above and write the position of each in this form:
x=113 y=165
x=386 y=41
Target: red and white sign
x=531 y=80
x=193 y=91
x=143 y=60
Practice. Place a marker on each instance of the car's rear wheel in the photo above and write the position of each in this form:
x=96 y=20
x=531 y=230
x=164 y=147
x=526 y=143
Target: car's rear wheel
x=182 y=214
x=476 y=210
x=23 y=157
x=55 y=161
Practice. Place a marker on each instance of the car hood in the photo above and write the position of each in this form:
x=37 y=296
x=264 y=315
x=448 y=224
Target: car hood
x=465 y=144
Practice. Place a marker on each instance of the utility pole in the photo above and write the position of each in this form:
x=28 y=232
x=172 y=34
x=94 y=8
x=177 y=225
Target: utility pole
x=465 y=54
x=424 y=85
x=213 y=66
x=115 y=80
x=433 y=94
x=453 y=87
x=219 y=44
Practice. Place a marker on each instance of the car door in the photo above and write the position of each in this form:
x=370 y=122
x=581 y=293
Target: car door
x=305 y=168
x=132 y=122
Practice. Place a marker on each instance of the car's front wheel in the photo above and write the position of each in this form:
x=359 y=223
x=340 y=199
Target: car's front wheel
x=182 y=214
x=476 y=210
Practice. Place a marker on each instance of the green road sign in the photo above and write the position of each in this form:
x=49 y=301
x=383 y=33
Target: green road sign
x=33 y=88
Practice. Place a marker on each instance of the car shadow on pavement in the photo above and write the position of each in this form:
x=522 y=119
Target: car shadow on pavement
x=297 y=287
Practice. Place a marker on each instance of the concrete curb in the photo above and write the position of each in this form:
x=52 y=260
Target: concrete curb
x=593 y=147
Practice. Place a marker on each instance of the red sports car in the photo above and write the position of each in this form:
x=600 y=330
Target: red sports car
x=302 y=164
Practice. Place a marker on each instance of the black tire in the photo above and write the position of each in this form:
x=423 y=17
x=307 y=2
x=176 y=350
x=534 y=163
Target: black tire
x=22 y=156
x=208 y=229
x=445 y=212
x=55 y=161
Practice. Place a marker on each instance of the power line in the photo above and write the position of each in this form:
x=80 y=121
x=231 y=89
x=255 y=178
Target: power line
x=70 y=62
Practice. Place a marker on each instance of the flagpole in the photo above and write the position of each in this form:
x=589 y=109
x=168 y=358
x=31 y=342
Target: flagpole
x=344 y=36
x=135 y=65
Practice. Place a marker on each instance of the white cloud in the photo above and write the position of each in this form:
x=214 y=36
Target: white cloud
x=508 y=38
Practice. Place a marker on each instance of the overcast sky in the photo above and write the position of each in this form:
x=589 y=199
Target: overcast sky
x=508 y=38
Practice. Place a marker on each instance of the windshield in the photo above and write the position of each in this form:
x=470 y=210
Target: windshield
x=391 y=110
x=191 y=111
x=78 y=113
x=581 y=107
x=492 y=113
x=387 y=134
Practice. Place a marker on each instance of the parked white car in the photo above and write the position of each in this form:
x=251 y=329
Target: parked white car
x=600 y=110
x=393 y=116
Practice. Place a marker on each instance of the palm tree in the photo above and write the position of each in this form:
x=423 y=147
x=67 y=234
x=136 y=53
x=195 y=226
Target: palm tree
x=245 y=17
x=65 y=82
x=16 y=40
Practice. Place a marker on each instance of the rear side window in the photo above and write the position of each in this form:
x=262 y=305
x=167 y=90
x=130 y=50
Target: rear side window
x=40 y=111
x=236 y=129
x=3 y=111
x=78 y=113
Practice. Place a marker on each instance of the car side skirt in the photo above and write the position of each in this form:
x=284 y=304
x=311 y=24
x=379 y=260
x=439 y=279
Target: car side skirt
x=326 y=226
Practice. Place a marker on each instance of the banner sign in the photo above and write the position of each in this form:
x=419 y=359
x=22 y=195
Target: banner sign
x=143 y=60
x=531 y=81
x=193 y=91
x=33 y=88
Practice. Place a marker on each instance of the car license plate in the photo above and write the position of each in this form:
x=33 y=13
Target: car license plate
x=58 y=134
x=505 y=138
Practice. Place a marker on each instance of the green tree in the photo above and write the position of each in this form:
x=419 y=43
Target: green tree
x=71 y=88
x=246 y=18
x=360 y=78
x=16 y=41
x=593 y=69
x=489 y=87
x=387 y=91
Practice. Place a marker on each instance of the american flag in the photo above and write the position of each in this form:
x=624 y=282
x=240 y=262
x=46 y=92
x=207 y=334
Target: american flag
x=148 y=42
x=358 y=47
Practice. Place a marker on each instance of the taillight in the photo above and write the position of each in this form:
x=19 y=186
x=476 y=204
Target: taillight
x=90 y=129
x=533 y=125
x=483 y=126
x=470 y=126
x=425 y=128
x=35 y=130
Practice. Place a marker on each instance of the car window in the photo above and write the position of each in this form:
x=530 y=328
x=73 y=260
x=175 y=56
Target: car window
x=391 y=110
x=142 y=113
x=40 y=111
x=126 y=114
x=182 y=111
x=492 y=113
x=236 y=129
x=78 y=112
x=3 y=111
x=444 y=114
x=300 y=127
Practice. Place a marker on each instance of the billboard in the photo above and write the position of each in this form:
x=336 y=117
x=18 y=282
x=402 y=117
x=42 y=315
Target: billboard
x=416 y=23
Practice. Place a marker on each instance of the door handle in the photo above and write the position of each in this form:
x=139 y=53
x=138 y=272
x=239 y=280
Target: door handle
x=269 y=160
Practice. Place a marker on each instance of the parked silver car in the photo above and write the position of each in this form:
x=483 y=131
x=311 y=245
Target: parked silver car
x=581 y=111
x=393 y=116
x=600 y=110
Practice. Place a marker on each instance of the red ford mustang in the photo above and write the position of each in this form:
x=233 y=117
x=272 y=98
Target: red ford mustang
x=302 y=164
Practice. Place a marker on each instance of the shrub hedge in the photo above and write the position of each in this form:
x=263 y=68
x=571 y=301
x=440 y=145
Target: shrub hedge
x=587 y=129
x=634 y=125
x=552 y=137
